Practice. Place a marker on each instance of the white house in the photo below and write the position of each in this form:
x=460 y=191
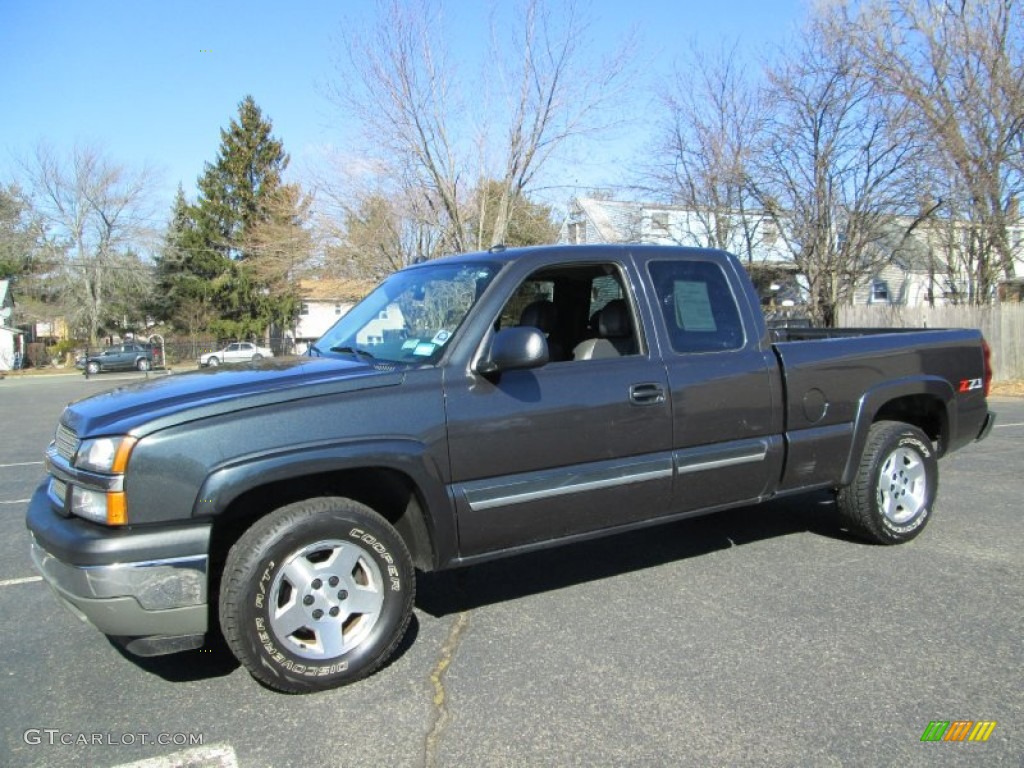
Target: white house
x=324 y=302
x=10 y=337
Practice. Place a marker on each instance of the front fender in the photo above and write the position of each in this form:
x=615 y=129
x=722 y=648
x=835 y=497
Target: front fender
x=227 y=482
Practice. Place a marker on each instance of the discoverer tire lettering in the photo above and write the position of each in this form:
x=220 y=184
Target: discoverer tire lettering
x=316 y=594
x=890 y=499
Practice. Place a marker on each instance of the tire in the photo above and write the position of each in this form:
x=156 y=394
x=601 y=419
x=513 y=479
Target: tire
x=213 y=362
x=142 y=364
x=316 y=594
x=891 y=497
x=257 y=357
x=92 y=368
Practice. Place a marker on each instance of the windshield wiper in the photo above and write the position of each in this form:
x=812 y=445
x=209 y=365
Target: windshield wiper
x=356 y=352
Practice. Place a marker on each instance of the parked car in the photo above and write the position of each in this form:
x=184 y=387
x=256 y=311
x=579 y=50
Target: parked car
x=291 y=506
x=123 y=357
x=239 y=352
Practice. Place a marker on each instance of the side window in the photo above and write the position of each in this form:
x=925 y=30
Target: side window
x=582 y=309
x=603 y=289
x=529 y=291
x=698 y=306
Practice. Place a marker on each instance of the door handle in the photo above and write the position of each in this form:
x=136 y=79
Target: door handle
x=646 y=394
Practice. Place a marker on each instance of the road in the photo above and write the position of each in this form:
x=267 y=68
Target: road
x=756 y=637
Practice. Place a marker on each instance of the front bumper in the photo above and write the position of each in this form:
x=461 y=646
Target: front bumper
x=149 y=588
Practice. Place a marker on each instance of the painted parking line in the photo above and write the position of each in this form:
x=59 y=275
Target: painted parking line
x=21 y=464
x=1004 y=426
x=22 y=580
x=16 y=501
x=214 y=756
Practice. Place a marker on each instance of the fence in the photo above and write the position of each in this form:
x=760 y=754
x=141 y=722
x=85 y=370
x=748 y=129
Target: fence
x=1001 y=324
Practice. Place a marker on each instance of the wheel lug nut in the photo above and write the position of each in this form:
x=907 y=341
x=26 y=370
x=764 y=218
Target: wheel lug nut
x=318 y=614
x=307 y=600
x=342 y=594
x=317 y=584
x=333 y=581
x=335 y=611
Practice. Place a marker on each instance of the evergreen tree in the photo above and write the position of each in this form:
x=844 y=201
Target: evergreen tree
x=186 y=271
x=245 y=229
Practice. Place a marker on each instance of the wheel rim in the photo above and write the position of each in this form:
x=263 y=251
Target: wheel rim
x=902 y=486
x=326 y=599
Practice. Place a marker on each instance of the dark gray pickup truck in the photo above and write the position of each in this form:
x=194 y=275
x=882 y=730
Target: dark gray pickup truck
x=470 y=408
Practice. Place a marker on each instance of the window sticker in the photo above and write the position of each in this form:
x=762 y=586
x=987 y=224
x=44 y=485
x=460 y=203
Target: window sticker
x=424 y=349
x=693 y=306
x=441 y=337
x=410 y=344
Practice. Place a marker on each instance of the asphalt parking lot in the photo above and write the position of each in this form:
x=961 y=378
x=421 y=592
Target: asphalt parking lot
x=759 y=636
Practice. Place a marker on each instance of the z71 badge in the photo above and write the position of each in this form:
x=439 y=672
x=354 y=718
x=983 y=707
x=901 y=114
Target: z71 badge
x=969 y=385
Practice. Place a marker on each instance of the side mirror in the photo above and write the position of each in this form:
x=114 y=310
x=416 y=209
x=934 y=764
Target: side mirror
x=515 y=349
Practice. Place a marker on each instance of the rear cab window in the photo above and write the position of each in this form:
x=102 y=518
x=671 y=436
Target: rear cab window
x=697 y=305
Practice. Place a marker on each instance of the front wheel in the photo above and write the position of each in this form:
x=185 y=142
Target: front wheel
x=92 y=367
x=316 y=595
x=891 y=497
x=213 y=362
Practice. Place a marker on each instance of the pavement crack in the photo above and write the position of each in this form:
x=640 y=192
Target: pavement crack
x=441 y=715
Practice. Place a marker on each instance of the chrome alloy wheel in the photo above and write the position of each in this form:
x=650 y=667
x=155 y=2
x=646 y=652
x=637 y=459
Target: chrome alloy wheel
x=326 y=599
x=902 y=486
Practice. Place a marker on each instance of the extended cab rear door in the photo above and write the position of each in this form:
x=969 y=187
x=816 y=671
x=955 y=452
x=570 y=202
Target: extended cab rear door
x=580 y=444
x=724 y=381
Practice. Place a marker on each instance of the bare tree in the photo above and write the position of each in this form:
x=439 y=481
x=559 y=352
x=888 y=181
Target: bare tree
x=959 y=66
x=438 y=133
x=97 y=212
x=715 y=119
x=835 y=173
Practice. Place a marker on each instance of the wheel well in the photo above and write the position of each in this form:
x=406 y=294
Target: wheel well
x=925 y=412
x=391 y=494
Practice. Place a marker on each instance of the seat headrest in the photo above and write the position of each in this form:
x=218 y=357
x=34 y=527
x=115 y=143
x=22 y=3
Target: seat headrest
x=540 y=314
x=613 y=322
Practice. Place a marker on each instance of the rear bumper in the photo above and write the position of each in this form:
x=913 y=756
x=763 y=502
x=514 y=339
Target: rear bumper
x=142 y=588
x=990 y=420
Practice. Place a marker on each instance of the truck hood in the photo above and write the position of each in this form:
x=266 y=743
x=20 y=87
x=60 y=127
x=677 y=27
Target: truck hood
x=144 y=407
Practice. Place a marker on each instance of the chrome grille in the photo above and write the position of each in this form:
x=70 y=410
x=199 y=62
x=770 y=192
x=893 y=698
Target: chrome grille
x=67 y=442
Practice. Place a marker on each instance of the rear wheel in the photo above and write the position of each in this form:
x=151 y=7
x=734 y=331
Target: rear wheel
x=891 y=497
x=316 y=595
x=143 y=364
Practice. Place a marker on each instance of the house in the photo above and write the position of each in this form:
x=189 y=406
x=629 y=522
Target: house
x=324 y=302
x=915 y=272
x=11 y=351
x=753 y=236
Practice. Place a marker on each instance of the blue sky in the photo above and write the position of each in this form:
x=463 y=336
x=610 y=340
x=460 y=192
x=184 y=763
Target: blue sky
x=154 y=81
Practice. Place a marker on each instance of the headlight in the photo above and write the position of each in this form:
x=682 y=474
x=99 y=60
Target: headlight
x=105 y=454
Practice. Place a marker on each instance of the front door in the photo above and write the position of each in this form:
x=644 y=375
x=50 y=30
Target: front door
x=571 y=447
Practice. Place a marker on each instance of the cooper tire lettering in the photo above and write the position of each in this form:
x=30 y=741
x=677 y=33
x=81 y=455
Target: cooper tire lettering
x=304 y=609
x=891 y=498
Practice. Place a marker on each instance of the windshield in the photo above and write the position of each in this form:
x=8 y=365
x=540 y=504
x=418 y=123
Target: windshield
x=410 y=317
